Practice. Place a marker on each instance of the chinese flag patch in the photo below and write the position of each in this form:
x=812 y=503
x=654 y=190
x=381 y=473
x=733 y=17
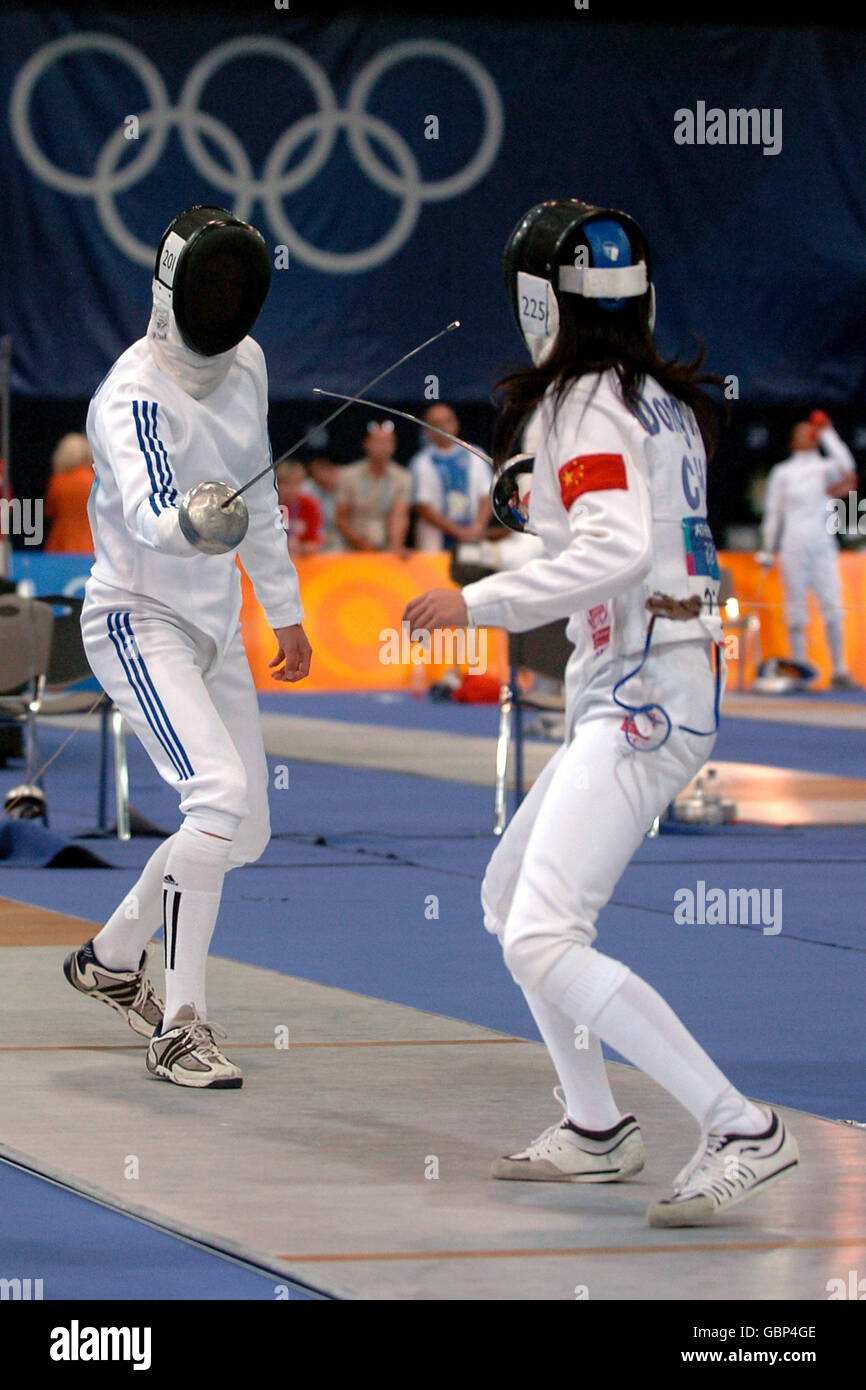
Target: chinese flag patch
x=591 y=473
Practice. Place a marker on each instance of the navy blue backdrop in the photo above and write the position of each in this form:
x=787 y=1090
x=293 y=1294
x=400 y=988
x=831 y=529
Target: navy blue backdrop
x=392 y=158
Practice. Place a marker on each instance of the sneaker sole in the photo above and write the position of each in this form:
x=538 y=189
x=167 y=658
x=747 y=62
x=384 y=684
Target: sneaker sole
x=140 y=1026
x=542 y=1170
x=698 y=1211
x=222 y=1083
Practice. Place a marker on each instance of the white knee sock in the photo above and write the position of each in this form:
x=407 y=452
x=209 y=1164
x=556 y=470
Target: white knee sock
x=129 y=928
x=581 y=1070
x=630 y=1016
x=193 y=883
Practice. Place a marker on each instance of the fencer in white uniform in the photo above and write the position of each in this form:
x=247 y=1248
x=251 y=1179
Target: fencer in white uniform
x=618 y=497
x=796 y=527
x=184 y=405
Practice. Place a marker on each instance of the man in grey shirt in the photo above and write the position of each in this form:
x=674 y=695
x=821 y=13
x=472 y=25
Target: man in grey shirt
x=373 y=496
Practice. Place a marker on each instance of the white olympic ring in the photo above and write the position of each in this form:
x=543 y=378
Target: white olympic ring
x=484 y=85
x=139 y=250
x=239 y=178
x=381 y=250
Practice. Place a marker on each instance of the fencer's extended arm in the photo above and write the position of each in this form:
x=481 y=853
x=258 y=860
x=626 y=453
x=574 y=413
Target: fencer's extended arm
x=137 y=439
x=837 y=452
x=610 y=550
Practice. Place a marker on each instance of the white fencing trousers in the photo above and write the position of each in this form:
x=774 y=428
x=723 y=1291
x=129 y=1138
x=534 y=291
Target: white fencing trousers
x=810 y=567
x=195 y=710
x=570 y=840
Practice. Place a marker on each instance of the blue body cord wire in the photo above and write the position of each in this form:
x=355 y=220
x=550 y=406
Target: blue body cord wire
x=649 y=710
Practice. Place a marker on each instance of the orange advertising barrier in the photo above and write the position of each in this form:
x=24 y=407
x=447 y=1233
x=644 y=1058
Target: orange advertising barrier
x=353 y=606
x=352 y=600
x=760 y=593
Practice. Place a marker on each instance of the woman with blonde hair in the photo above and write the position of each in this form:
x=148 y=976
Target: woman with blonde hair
x=66 y=496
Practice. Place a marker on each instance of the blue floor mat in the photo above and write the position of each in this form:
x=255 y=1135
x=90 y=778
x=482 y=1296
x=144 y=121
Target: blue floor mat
x=806 y=747
x=68 y=1243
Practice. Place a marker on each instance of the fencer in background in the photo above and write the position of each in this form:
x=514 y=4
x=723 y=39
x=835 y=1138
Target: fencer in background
x=618 y=496
x=796 y=527
x=161 y=617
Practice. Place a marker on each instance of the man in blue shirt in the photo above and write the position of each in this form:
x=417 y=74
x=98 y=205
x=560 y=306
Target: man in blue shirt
x=450 y=486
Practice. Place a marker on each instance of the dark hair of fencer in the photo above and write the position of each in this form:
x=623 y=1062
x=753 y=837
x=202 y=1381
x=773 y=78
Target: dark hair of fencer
x=595 y=340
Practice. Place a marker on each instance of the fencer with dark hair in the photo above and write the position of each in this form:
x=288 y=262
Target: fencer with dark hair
x=161 y=617
x=611 y=470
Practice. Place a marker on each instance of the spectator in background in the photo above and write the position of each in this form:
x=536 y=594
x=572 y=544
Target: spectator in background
x=373 y=496
x=302 y=514
x=450 y=486
x=66 y=496
x=796 y=529
x=321 y=484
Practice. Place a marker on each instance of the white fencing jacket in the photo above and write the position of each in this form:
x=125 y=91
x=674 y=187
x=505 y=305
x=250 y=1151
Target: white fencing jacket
x=619 y=500
x=151 y=442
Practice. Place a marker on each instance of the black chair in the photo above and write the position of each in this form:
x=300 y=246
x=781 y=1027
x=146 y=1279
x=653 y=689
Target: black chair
x=11 y=740
x=25 y=645
x=68 y=667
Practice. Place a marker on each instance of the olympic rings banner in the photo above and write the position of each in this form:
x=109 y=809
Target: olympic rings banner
x=386 y=160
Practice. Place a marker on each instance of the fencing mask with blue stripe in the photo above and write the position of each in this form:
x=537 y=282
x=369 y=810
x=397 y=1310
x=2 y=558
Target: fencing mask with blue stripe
x=567 y=247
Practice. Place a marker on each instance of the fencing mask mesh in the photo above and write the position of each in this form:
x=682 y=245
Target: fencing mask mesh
x=216 y=272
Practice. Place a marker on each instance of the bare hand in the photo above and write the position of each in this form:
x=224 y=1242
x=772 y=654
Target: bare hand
x=293 y=658
x=437 y=608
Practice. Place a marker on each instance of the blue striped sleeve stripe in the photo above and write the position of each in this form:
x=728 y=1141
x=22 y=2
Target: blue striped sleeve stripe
x=136 y=672
x=162 y=491
x=169 y=492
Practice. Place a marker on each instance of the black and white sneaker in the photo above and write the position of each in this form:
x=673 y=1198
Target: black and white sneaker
x=726 y=1169
x=567 y=1153
x=128 y=992
x=187 y=1054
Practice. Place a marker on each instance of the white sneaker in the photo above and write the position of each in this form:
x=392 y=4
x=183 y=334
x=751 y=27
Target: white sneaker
x=187 y=1054
x=128 y=992
x=566 y=1153
x=726 y=1169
